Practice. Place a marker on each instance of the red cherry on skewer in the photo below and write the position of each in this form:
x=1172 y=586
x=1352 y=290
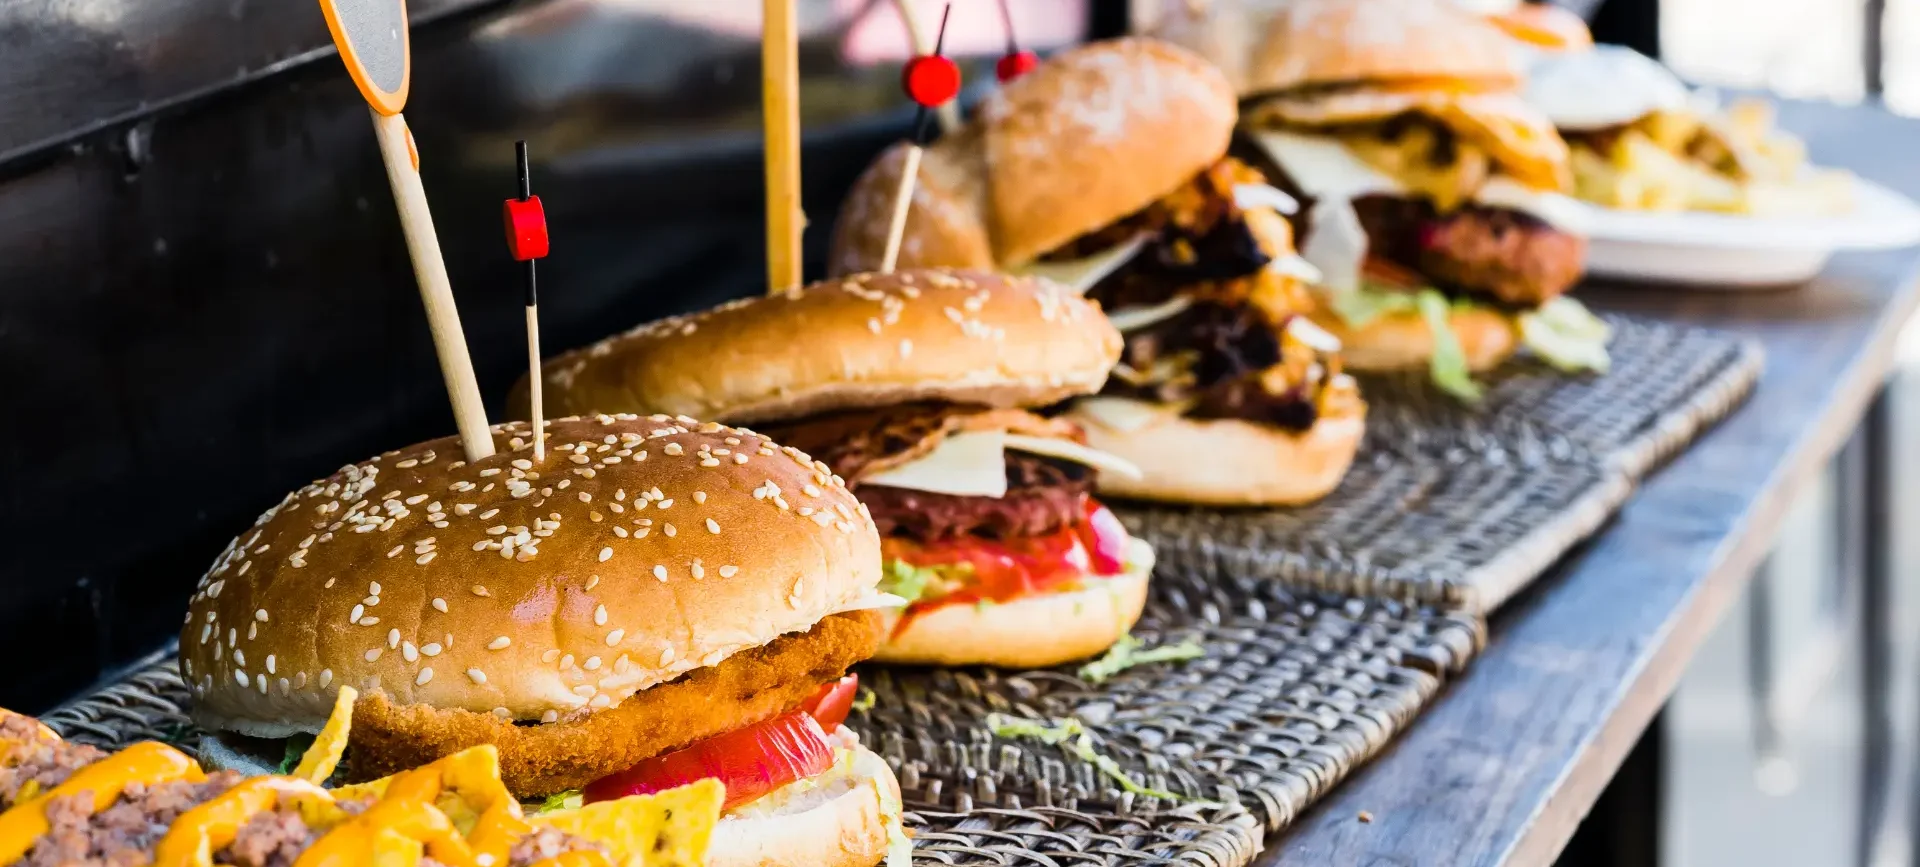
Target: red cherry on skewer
x=1014 y=65
x=930 y=80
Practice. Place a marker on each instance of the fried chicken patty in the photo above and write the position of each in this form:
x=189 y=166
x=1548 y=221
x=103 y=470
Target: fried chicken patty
x=539 y=760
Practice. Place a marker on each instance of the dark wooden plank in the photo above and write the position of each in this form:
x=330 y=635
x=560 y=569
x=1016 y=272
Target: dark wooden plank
x=1503 y=767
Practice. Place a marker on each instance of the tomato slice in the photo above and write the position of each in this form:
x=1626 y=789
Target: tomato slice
x=750 y=762
x=829 y=707
x=1106 y=539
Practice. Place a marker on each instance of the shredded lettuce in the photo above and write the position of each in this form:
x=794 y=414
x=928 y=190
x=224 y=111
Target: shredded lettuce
x=297 y=746
x=899 y=848
x=1126 y=653
x=910 y=582
x=1073 y=735
x=1567 y=335
x=864 y=699
x=571 y=799
x=1448 y=363
x=1360 y=307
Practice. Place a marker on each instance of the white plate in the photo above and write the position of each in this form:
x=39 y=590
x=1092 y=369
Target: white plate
x=1733 y=252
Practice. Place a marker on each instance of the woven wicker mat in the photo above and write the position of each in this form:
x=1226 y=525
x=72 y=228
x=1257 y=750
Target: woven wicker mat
x=1463 y=506
x=1292 y=694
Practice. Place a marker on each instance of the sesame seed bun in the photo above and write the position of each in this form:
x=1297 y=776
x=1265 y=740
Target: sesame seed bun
x=663 y=546
x=1402 y=340
x=1092 y=135
x=1344 y=42
x=1032 y=631
x=1230 y=462
x=862 y=341
x=841 y=819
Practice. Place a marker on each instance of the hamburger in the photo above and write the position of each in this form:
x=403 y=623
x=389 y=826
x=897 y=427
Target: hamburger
x=1106 y=169
x=656 y=602
x=917 y=388
x=1436 y=216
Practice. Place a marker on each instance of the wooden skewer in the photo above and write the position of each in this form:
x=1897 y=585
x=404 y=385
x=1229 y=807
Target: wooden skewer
x=902 y=203
x=949 y=112
x=780 y=107
x=534 y=377
x=436 y=291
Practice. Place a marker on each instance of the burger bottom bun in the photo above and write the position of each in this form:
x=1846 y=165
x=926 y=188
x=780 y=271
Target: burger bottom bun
x=1031 y=632
x=843 y=818
x=1229 y=462
x=1402 y=340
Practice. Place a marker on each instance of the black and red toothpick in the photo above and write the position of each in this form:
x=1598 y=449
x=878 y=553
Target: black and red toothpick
x=930 y=80
x=1016 y=62
x=526 y=223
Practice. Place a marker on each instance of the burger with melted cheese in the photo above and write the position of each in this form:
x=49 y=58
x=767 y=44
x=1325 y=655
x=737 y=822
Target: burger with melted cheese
x=655 y=602
x=1436 y=217
x=917 y=388
x=1106 y=168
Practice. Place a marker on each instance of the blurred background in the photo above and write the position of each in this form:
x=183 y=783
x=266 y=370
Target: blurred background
x=204 y=301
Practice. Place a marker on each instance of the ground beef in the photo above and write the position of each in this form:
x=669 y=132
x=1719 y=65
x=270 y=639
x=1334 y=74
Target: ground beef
x=33 y=757
x=1503 y=255
x=1511 y=256
x=546 y=843
x=270 y=839
x=1043 y=495
x=125 y=832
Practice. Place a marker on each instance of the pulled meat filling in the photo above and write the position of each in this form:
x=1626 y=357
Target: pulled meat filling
x=1224 y=361
x=1195 y=235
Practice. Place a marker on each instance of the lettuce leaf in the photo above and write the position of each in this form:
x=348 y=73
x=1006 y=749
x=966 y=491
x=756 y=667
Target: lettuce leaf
x=1126 y=653
x=910 y=582
x=1072 y=734
x=297 y=746
x=570 y=799
x=1448 y=364
x=1360 y=307
x=1567 y=335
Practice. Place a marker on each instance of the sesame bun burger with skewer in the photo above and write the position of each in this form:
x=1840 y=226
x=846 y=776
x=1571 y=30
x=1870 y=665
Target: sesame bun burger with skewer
x=915 y=387
x=658 y=601
x=1106 y=168
x=1435 y=209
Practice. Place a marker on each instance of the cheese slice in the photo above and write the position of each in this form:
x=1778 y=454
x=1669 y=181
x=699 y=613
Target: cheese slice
x=1081 y=274
x=1324 y=168
x=872 y=600
x=1246 y=197
x=1067 y=450
x=966 y=464
x=1337 y=246
x=1142 y=315
x=1119 y=414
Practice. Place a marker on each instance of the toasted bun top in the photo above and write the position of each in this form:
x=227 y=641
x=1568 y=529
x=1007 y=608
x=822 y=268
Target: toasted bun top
x=1327 y=42
x=1092 y=135
x=851 y=342
x=638 y=550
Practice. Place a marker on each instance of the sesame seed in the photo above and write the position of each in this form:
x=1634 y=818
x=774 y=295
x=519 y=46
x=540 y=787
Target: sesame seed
x=240 y=676
x=713 y=526
x=673 y=449
x=729 y=571
x=395 y=551
x=614 y=637
x=478 y=676
x=550 y=656
x=566 y=661
x=270 y=664
x=354 y=615
x=699 y=571
x=393 y=638
x=599 y=701
x=260 y=615
x=592 y=663
x=489 y=514
x=424 y=559
x=479 y=590
x=667 y=528
x=600 y=615
x=408 y=652
x=370 y=601
x=430 y=650
x=550 y=716
x=660 y=572
x=500 y=643
x=373 y=654
x=326 y=677
x=592 y=580
x=523 y=463
x=426 y=674
x=369 y=621
x=416 y=499
x=607 y=553
x=503 y=713
x=239 y=656
x=440 y=605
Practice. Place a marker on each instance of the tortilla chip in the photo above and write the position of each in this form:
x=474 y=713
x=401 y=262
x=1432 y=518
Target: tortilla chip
x=331 y=743
x=667 y=829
